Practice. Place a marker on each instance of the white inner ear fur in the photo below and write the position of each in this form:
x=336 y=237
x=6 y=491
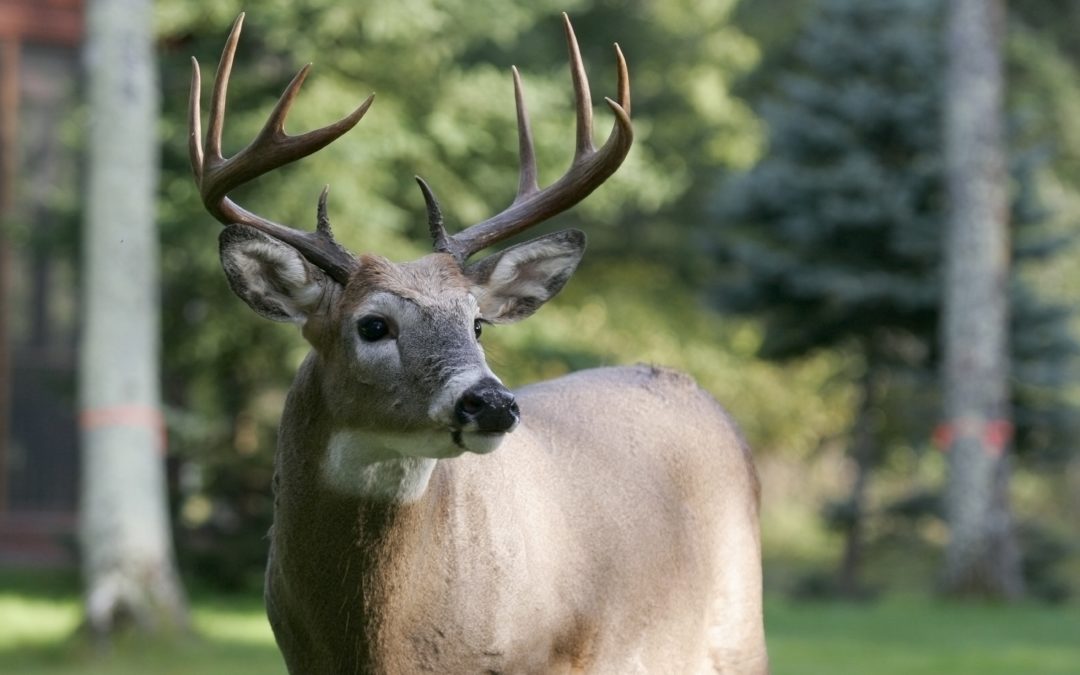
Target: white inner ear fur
x=277 y=273
x=525 y=272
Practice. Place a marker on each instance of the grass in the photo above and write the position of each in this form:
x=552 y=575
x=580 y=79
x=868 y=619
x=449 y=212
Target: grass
x=909 y=635
x=917 y=636
x=39 y=615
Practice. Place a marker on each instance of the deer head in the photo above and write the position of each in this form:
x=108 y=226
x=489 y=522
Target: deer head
x=399 y=342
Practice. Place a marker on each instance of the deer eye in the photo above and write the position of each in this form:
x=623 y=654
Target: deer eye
x=372 y=328
x=478 y=328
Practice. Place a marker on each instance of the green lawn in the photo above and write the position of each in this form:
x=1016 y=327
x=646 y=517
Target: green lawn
x=899 y=635
x=917 y=636
x=232 y=638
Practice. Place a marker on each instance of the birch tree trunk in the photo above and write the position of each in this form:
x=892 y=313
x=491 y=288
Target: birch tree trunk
x=127 y=555
x=981 y=558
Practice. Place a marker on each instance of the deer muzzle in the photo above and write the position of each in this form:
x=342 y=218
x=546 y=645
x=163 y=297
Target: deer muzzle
x=487 y=407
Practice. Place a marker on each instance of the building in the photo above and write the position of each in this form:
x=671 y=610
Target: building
x=39 y=184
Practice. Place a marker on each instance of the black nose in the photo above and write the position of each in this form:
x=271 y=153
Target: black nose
x=488 y=406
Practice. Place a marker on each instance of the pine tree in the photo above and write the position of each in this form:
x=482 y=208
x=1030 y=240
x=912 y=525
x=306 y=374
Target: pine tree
x=834 y=239
x=836 y=232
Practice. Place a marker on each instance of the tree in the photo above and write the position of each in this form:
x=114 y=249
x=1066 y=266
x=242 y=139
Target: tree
x=834 y=239
x=124 y=527
x=833 y=235
x=982 y=557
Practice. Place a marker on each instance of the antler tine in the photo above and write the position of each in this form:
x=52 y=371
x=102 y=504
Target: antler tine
x=322 y=220
x=582 y=95
x=588 y=170
x=527 y=182
x=435 y=219
x=195 y=148
x=221 y=86
x=624 y=80
x=271 y=148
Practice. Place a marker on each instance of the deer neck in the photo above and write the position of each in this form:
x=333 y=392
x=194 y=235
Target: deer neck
x=342 y=494
x=323 y=516
x=335 y=547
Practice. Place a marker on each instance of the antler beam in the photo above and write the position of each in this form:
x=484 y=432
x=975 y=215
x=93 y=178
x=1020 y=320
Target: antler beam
x=271 y=148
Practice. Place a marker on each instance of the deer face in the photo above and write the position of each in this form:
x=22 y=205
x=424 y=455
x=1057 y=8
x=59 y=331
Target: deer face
x=399 y=344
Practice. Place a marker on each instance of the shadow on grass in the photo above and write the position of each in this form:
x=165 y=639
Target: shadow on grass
x=201 y=655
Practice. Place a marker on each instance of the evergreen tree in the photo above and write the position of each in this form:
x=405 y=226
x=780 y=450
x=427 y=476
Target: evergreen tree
x=834 y=239
x=835 y=234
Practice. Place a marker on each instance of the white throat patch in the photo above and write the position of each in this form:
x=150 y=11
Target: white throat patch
x=394 y=466
x=382 y=466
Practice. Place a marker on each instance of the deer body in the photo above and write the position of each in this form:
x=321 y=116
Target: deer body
x=616 y=547
x=427 y=519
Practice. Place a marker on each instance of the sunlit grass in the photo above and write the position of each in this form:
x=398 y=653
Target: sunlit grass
x=236 y=626
x=906 y=635
x=30 y=622
x=37 y=629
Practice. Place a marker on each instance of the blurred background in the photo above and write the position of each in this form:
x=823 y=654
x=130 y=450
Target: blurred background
x=778 y=231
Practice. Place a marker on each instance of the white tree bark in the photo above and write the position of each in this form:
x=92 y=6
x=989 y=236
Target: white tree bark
x=127 y=551
x=981 y=558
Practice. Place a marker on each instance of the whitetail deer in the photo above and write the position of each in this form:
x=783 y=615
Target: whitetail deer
x=615 y=530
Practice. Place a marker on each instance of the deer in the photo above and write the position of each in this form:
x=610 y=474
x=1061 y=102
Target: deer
x=429 y=519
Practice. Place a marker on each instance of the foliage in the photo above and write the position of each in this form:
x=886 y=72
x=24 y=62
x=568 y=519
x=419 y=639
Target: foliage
x=835 y=234
x=834 y=238
x=1044 y=95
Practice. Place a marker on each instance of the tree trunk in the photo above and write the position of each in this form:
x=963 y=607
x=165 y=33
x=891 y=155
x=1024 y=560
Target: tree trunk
x=10 y=56
x=127 y=552
x=981 y=558
x=863 y=456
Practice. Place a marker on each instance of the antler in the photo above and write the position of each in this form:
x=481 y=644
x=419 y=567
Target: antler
x=588 y=170
x=270 y=149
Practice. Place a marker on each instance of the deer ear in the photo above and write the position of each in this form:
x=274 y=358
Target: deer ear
x=271 y=277
x=512 y=284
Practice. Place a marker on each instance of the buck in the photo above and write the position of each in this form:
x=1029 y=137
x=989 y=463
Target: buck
x=427 y=519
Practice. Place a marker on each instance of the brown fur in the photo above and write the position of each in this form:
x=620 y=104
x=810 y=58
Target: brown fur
x=423 y=282
x=566 y=550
